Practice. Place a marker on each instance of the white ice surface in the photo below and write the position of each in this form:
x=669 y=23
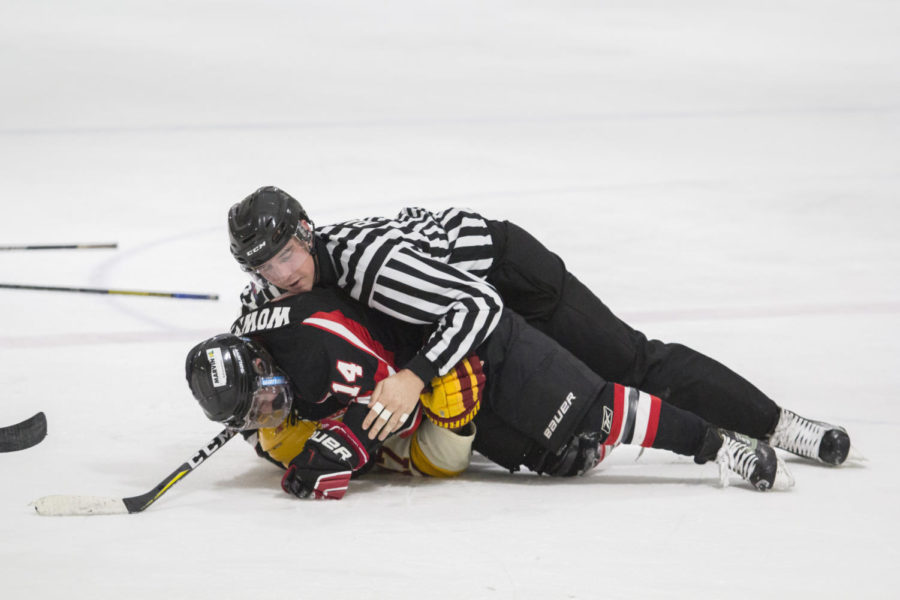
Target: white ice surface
x=723 y=174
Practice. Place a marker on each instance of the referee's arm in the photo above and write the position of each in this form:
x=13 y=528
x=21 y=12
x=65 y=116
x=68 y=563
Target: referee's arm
x=417 y=289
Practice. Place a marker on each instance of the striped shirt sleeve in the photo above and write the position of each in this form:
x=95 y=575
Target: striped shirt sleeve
x=417 y=289
x=423 y=268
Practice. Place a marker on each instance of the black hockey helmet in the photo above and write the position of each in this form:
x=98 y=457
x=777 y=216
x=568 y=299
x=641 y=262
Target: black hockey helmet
x=236 y=382
x=262 y=223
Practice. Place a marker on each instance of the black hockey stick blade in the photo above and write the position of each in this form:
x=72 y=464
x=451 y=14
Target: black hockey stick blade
x=70 y=505
x=23 y=435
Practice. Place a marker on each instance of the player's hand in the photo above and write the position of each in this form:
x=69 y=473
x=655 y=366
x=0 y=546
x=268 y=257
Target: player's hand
x=324 y=467
x=393 y=400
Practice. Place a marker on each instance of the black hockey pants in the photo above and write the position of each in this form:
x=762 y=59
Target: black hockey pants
x=539 y=396
x=534 y=282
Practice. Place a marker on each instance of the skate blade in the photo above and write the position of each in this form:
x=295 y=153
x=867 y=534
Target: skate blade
x=855 y=456
x=784 y=480
x=724 y=475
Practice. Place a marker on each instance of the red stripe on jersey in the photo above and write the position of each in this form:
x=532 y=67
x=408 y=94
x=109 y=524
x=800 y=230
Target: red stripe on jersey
x=618 y=413
x=364 y=340
x=653 y=422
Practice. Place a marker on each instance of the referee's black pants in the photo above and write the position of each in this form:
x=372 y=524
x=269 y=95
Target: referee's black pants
x=534 y=282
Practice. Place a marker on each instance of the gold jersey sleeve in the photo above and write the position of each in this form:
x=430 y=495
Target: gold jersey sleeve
x=285 y=442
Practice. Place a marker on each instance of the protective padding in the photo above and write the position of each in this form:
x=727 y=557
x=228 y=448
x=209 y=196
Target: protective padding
x=454 y=398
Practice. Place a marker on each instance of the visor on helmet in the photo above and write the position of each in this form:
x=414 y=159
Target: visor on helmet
x=270 y=405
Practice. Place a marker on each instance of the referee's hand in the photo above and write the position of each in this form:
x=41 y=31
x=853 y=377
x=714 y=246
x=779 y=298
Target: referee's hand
x=393 y=399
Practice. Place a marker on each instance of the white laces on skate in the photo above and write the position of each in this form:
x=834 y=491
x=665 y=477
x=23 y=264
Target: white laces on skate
x=798 y=434
x=735 y=457
x=754 y=461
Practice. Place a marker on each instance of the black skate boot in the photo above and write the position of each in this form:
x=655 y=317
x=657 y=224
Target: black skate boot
x=755 y=461
x=817 y=440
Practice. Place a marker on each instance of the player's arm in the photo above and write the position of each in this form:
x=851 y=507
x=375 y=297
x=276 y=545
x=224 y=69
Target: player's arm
x=442 y=444
x=352 y=365
x=441 y=447
x=350 y=360
x=332 y=454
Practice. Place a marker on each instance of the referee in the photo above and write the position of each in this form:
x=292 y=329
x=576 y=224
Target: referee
x=455 y=270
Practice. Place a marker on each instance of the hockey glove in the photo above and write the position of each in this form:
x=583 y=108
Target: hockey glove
x=581 y=454
x=324 y=467
x=454 y=398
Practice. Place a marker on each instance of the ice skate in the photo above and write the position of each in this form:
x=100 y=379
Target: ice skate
x=755 y=461
x=816 y=440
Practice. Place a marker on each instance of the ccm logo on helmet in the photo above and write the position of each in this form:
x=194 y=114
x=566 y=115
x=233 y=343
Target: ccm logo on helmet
x=256 y=249
x=560 y=413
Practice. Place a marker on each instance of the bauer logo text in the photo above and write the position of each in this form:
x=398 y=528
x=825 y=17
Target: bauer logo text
x=560 y=414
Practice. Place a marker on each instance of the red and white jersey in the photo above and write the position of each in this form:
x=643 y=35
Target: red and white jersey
x=334 y=351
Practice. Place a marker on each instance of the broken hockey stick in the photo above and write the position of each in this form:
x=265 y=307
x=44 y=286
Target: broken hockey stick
x=61 y=247
x=65 y=505
x=46 y=288
x=23 y=435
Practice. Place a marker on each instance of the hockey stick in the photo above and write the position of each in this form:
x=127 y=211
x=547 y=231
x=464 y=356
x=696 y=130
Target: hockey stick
x=23 y=435
x=61 y=247
x=65 y=505
x=45 y=288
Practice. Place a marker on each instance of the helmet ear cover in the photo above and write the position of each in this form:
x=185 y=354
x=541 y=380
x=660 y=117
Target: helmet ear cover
x=261 y=224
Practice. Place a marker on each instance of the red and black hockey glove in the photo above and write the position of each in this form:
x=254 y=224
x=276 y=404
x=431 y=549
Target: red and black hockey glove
x=323 y=469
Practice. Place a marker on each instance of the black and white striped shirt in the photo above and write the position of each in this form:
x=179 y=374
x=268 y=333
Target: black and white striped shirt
x=421 y=267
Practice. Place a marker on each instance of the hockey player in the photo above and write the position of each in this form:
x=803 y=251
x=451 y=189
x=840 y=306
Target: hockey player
x=533 y=403
x=453 y=271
